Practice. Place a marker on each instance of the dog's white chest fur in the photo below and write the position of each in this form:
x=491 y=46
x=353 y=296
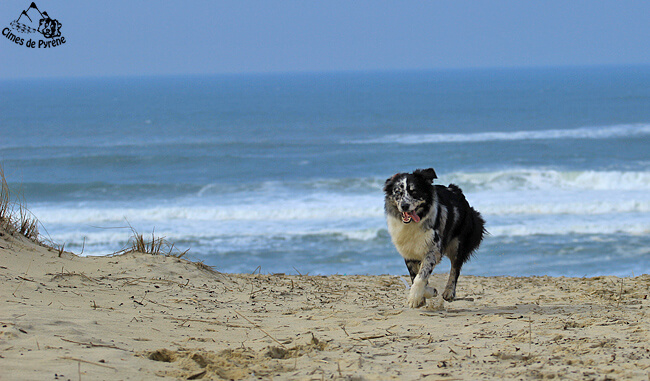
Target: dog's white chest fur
x=411 y=240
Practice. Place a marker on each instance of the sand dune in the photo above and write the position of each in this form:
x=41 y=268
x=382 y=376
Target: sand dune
x=138 y=316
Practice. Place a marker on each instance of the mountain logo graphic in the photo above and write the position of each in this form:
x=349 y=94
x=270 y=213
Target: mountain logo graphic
x=32 y=20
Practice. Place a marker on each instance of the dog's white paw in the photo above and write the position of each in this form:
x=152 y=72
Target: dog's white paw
x=416 y=302
x=418 y=293
x=449 y=294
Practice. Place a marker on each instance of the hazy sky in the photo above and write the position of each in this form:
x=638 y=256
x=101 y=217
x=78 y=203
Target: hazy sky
x=142 y=37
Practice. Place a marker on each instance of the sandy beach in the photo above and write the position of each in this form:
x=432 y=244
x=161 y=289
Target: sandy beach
x=139 y=316
x=233 y=190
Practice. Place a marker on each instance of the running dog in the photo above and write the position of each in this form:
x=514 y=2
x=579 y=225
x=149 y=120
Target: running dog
x=427 y=221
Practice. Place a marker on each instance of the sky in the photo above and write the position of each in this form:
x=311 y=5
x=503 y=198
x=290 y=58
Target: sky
x=144 y=37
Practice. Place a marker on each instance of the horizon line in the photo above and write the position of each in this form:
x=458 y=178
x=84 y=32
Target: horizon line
x=333 y=71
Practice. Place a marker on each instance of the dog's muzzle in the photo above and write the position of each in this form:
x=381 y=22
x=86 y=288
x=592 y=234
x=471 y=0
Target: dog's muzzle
x=410 y=216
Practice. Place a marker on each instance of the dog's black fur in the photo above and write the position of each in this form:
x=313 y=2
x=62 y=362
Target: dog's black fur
x=428 y=221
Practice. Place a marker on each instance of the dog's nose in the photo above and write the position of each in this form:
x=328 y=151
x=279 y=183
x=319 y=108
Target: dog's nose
x=405 y=206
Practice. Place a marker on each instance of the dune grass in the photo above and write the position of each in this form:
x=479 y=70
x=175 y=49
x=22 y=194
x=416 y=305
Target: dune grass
x=4 y=199
x=14 y=216
x=155 y=246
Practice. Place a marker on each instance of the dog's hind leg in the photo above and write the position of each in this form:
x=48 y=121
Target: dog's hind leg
x=419 y=290
x=450 y=290
x=456 y=264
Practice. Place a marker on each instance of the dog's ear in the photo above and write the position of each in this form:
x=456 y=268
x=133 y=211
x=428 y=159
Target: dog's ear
x=428 y=174
x=389 y=182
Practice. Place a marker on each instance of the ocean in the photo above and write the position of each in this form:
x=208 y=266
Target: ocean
x=283 y=173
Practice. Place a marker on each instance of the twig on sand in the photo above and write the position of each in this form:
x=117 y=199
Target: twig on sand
x=260 y=328
x=620 y=295
x=90 y=344
x=22 y=280
x=185 y=320
x=530 y=334
x=88 y=362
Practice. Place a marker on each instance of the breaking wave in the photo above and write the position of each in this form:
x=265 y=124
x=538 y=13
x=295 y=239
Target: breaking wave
x=604 y=132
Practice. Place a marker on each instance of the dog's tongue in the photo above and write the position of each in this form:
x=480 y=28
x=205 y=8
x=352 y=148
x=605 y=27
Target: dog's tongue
x=413 y=216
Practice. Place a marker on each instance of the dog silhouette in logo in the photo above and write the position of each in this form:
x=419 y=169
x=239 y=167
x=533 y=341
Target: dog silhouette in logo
x=50 y=28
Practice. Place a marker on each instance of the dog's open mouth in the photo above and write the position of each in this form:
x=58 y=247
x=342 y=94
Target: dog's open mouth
x=410 y=216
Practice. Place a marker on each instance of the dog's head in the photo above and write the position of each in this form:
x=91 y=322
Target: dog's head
x=408 y=194
x=49 y=27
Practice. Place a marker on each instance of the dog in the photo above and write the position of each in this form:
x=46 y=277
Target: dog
x=427 y=221
x=50 y=28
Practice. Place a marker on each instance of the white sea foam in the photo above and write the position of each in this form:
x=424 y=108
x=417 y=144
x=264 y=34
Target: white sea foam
x=603 y=132
x=605 y=225
x=262 y=211
x=510 y=203
x=536 y=179
x=574 y=207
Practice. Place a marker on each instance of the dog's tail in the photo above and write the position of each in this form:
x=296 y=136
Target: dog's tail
x=477 y=229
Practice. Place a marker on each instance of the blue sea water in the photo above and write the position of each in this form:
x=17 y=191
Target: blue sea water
x=285 y=171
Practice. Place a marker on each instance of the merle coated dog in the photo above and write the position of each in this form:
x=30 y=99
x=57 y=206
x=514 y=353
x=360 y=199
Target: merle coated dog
x=428 y=221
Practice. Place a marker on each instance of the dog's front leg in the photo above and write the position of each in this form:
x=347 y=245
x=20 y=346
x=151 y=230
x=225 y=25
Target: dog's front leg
x=419 y=290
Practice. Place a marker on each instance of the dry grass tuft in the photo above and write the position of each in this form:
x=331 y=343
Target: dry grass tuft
x=155 y=246
x=204 y=267
x=27 y=223
x=14 y=216
x=4 y=198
